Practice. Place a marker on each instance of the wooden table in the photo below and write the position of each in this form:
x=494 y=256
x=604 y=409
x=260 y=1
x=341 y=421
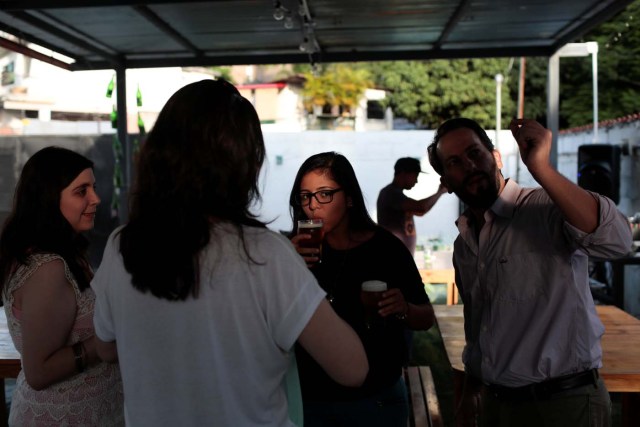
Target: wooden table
x=620 y=355
x=9 y=362
x=447 y=277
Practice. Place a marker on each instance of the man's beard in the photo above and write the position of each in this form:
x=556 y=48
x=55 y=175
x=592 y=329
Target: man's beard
x=486 y=193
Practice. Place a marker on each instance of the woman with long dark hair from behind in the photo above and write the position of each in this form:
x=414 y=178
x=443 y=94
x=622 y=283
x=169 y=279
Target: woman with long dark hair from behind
x=45 y=275
x=355 y=250
x=198 y=300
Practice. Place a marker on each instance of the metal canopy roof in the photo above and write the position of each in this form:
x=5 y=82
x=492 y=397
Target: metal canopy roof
x=99 y=34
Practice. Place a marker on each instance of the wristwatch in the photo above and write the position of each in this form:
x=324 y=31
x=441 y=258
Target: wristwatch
x=404 y=315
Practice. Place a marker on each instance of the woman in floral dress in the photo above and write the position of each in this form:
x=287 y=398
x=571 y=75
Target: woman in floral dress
x=45 y=275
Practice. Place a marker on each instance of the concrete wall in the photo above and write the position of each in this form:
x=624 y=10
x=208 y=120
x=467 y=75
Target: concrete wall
x=372 y=154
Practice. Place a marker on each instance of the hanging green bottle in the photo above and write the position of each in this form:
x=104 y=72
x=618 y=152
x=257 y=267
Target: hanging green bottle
x=117 y=175
x=141 y=124
x=139 y=97
x=117 y=148
x=110 y=86
x=115 y=204
x=114 y=118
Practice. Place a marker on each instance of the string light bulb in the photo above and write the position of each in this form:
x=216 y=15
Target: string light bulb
x=279 y=12
x=288 y=22
x=304 y=46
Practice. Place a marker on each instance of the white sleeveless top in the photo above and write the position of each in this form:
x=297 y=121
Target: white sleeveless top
x=91 y=398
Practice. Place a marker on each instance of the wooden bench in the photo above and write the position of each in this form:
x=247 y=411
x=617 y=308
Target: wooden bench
x=424 y=409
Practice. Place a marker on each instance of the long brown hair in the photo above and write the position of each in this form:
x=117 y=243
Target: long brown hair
x=200 y=161
x=36 y=223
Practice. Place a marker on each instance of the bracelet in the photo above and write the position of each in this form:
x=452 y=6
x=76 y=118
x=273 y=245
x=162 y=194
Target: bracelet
x=404 y=315
x=78 y=356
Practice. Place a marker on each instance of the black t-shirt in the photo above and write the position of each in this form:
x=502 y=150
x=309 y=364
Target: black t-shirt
x=341 y=274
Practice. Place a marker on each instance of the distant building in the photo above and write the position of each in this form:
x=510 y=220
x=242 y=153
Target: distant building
x=39 y=98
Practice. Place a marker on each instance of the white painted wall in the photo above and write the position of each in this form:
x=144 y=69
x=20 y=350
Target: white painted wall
x=373 y=155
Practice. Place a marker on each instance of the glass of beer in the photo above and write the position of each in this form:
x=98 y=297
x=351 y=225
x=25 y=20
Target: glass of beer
x=312 y=227
x=370 y=295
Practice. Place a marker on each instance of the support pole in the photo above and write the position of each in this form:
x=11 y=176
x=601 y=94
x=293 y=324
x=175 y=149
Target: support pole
x=499 y=79
x=121 y=101
x=521 y=82
x=553 y=101
x=593 y=48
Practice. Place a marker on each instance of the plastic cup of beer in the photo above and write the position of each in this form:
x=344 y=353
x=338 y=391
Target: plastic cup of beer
x=313 y=228
x=370 y=295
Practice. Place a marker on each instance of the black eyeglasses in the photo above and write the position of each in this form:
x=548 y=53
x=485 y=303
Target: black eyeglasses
x=323 y=197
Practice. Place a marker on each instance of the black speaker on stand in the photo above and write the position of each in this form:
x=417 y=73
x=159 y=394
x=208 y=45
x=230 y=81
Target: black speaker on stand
x=599 y=169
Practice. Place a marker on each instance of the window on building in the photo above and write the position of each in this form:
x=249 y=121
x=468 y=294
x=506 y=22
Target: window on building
x=375 y=110
x=75 y=117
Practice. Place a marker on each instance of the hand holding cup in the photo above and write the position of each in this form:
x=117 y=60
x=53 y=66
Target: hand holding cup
x=371 y=294
x=380 y=302
x=308 y=241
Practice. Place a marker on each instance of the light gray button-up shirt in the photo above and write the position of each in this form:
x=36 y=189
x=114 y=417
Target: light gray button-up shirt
x=529 y=314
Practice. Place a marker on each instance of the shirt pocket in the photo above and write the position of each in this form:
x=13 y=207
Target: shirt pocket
x=521 y=277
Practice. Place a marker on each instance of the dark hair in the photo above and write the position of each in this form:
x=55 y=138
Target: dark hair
x=200 y=163
x=36 y=223
x=341 y=172
x=451 y=125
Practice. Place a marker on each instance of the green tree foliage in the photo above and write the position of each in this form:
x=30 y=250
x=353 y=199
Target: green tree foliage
x=535 y=88
x=618 y=72
x=224 y=72
x=337 y=89
x=618 y=75
x=430 y=92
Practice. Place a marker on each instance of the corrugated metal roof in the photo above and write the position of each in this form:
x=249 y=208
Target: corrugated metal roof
x=100 y=34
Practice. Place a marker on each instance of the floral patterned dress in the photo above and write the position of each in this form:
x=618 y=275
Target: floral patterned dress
x=91 y=398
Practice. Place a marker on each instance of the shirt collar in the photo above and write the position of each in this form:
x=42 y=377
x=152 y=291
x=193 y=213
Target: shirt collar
x=504 y=205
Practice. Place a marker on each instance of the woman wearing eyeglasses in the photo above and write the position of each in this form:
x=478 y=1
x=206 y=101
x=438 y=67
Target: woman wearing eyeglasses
x=356 y=250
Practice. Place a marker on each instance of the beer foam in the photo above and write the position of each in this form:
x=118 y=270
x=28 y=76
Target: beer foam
x=309 y=224
x=374 y=286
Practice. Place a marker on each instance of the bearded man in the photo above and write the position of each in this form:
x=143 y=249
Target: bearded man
x=521 y=260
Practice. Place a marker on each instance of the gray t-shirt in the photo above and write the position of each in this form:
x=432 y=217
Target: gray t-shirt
x=393 y=218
